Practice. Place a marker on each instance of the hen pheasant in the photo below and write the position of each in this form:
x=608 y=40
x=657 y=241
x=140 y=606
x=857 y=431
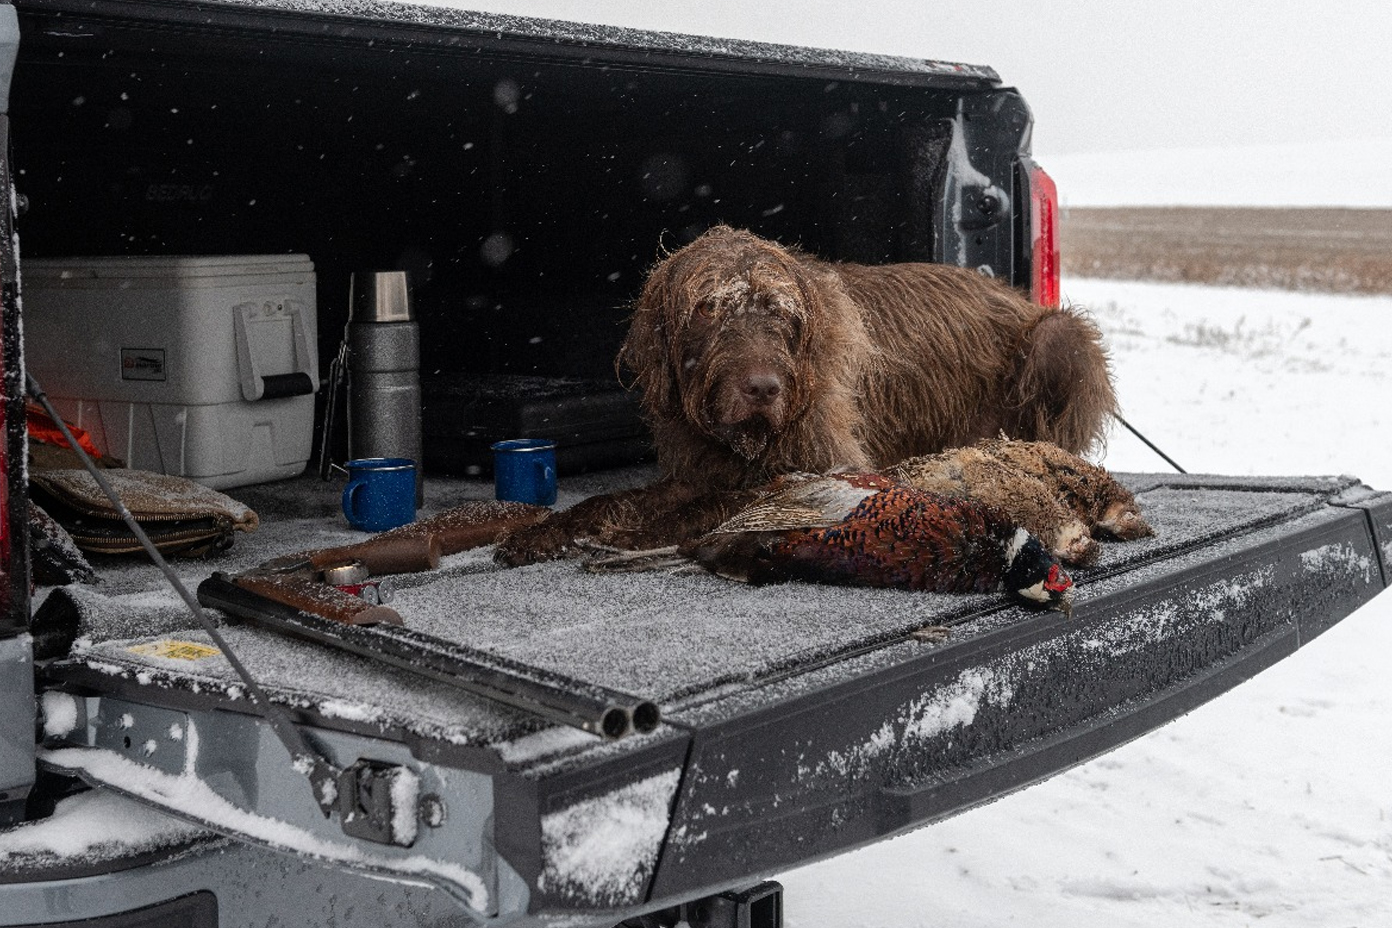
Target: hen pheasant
x=1062 y=499
x=867 y=530
x=1089 y=490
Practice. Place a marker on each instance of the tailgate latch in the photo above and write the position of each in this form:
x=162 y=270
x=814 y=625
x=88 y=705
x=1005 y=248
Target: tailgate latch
x=378 y=802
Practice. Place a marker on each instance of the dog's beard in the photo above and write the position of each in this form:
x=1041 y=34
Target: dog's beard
x=746 y=427
x=749 y=438
x=750 y=429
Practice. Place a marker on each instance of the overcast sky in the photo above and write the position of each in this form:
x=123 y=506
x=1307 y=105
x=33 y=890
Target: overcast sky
x=1100 y=75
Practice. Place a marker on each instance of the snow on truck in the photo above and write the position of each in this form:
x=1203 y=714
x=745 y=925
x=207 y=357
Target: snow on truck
x=196 y=187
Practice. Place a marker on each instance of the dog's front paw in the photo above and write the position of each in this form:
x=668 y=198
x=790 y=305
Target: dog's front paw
x=547 y=540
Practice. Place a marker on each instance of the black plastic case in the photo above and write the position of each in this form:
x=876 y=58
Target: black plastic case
x=595 y=424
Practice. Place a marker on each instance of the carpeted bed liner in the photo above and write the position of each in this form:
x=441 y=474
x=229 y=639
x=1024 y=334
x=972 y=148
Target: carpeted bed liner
x=674 y=638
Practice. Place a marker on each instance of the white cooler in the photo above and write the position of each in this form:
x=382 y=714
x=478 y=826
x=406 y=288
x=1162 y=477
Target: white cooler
x=204 y=367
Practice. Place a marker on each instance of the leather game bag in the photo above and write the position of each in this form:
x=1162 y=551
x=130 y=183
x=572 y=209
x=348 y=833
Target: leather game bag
x=182 y=518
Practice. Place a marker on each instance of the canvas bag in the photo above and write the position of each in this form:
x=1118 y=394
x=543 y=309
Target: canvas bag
x=181 y=517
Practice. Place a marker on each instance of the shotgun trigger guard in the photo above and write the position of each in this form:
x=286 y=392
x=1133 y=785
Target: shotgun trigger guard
x=287 y=564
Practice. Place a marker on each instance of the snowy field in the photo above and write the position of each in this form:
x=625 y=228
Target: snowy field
x=1269 y=806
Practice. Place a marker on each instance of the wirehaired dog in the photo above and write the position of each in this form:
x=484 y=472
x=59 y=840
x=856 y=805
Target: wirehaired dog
x=754 y=359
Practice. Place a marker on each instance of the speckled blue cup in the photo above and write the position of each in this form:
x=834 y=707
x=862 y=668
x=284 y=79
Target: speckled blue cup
x=524 y=470
x=381 y=493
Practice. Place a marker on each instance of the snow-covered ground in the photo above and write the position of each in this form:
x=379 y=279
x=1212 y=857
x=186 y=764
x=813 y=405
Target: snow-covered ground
x=1269 y=806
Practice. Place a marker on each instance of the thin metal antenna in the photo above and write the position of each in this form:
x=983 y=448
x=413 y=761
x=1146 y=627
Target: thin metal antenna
x=1149 y=444
x=323 y=776
x=337 y=369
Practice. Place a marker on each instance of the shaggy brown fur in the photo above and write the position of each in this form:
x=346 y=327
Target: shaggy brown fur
x=755 y=360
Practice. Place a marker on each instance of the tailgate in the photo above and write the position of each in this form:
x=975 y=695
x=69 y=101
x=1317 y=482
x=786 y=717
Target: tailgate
x=798 y=721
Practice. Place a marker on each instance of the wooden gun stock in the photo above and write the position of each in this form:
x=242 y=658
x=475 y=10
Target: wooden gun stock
x=409 y=549
x=384 y=554
x=419 y=546
x=470 y=525
x=306 y=595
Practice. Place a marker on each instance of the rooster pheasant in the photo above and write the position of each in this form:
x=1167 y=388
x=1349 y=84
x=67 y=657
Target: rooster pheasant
x=866 y=530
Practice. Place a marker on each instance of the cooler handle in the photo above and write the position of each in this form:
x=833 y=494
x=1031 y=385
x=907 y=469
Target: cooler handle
x=258 y=386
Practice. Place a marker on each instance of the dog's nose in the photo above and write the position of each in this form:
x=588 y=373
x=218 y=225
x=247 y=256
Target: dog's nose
x=761 y=386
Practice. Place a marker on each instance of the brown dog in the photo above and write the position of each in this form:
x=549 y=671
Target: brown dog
x=755 y=360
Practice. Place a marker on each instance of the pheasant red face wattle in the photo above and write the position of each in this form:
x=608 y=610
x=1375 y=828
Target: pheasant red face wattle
x=1058 y=581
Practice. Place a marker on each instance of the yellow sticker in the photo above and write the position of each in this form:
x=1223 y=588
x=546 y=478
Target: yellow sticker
x=175 y=650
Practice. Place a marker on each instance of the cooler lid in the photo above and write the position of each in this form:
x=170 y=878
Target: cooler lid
x=101 y=270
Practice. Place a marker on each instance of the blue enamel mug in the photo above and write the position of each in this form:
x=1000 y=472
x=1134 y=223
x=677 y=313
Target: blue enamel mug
x=524 y=470
x=381 y=493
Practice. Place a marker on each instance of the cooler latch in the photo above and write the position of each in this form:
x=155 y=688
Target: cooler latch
x=270 y=365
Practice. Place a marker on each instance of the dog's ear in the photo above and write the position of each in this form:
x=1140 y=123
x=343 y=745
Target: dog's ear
x=647 y=348
x=831 y=327
x=807 y=276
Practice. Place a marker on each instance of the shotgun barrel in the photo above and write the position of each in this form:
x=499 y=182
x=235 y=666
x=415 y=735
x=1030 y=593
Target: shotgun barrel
x=552 y=696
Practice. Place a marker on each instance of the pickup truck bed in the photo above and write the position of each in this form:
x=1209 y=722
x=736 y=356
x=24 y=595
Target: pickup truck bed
x=798 y=721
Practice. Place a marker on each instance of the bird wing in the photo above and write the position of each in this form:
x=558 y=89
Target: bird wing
x=817 y=502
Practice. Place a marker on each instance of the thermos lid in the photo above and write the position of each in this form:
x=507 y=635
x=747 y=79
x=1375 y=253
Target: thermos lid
x=381 y=296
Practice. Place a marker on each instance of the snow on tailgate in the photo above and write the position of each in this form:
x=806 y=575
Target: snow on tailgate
x=603 y=850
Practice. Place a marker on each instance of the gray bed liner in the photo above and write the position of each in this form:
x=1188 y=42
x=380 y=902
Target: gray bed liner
x=681 y=640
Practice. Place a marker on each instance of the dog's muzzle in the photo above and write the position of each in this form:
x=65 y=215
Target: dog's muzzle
x=750 y=408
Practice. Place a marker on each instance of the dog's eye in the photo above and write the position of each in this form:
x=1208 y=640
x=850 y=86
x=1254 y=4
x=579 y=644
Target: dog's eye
x=705 y=309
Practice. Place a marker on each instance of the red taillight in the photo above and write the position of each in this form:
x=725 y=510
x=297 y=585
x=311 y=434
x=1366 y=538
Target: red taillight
x=1044 y=253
